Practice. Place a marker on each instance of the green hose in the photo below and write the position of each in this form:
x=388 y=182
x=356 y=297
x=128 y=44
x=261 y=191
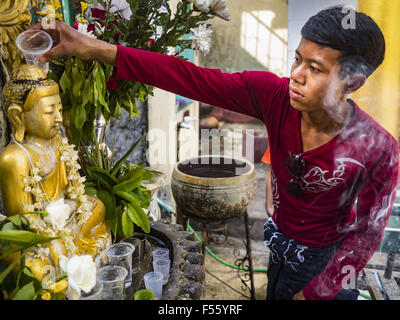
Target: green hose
x=222 y=261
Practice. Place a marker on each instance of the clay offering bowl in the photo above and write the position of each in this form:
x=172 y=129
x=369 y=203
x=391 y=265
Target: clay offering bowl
x=213 y=187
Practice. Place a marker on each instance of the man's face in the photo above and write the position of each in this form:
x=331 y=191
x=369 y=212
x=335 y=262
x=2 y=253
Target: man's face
x=314 y=80
x=45 y=118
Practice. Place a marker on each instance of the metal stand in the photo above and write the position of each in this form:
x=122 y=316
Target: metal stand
x=243 y=263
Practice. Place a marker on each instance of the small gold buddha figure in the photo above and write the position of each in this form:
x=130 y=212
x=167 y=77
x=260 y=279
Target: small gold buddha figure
x=39 y=172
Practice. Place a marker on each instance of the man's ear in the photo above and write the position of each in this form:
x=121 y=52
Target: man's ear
x=16 y=117
x=354 y=82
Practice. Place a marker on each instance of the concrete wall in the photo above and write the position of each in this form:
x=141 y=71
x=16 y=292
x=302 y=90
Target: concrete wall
x=254 y=39
x=299 y=12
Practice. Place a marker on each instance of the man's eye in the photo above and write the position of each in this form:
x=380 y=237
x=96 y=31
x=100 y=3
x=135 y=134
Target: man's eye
x=313 y=69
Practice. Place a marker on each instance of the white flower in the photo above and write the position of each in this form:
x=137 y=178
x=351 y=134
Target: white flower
x=58 y=213
x=42 y=253
x=81 y=271
x=202 y=5
x=220 y=9
x=2 y=217
x=64 y=140
x=82 y=28
x=37 y=178
x=201 y=38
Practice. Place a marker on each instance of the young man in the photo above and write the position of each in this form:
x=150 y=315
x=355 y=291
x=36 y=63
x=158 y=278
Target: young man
x=326 y=153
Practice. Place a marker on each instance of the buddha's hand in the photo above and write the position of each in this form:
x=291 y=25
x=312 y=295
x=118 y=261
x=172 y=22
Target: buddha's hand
x=69 y=42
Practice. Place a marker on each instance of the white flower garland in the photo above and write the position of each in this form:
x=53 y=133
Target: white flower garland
x=74 y=190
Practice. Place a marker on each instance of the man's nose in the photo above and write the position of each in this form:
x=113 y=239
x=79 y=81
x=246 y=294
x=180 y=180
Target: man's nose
x=297 y=74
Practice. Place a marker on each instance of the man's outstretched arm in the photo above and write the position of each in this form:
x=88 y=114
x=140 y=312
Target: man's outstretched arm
x=70 y=42
x=248 y=92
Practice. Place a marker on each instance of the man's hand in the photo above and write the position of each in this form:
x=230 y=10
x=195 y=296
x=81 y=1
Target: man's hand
x=299 y=296
x=69 y=42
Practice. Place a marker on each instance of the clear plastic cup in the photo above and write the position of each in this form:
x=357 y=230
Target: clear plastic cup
x=120 y=254
x=153 y=281
x=162 y=265
x=94 y=294
x=138 y=254
x=160 y=253
x=113 y=281
x=33 y=44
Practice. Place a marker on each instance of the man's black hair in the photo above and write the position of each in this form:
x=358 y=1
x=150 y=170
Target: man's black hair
x=362 y=47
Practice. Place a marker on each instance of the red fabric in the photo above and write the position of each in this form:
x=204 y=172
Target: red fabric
x=360 y=163
x=267 y=156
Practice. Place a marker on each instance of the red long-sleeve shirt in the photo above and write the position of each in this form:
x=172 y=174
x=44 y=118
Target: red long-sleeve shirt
x=361 y=163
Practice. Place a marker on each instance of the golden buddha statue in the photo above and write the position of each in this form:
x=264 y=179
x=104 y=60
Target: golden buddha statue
x=39 y=172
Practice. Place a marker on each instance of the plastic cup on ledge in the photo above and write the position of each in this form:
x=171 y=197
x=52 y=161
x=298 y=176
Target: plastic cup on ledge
x=113 y=281
x=162 y=265
x=94 y=294
x=153 y=281
x=160 y=253
x=137 y=254
x=120 y=254
x=33 y=44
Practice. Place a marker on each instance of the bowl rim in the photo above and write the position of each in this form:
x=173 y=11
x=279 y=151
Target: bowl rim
x=213 y=182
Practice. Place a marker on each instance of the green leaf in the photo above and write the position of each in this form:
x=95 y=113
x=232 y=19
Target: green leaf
x=127 y=225
x=65 y=82
x=138 y=216
x=128 y=196
x=23 y=237
x=102 y=176
x=27 y=292
x=9 y=226
x=143 y=196
x=132 y=182
x=87 y=94
x=78 y=81
x=4 y=274
x=80 y=116
x=15 y=219
x=125 y=157
x=108 y=199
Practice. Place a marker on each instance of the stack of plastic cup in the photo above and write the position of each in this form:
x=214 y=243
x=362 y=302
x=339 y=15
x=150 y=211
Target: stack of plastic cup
x=162 y=265
x=120 y=254
x=160 y=253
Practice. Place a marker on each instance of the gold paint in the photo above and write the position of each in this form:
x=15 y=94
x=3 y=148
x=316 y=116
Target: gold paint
x=14 y=19
x=35 y=113
x=36 y=94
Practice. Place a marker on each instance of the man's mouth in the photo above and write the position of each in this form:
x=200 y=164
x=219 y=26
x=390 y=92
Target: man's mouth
x=295 y=94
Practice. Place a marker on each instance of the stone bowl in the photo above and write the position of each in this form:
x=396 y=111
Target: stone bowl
x=213 y=187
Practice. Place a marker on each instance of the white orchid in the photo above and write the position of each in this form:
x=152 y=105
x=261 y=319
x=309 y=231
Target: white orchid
x=81 y=272
x=218 y=8
x=58 y=213
x=201 y=38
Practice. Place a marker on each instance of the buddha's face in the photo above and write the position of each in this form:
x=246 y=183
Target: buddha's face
x=45 y=118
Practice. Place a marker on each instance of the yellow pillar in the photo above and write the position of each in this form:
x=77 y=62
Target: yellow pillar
x=380 y=96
